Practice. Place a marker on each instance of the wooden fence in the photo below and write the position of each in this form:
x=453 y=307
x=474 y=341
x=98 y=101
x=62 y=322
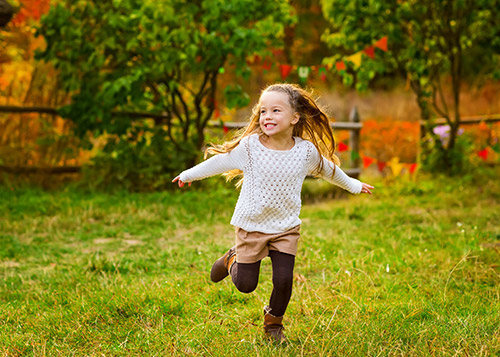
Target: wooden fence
x=353 y=125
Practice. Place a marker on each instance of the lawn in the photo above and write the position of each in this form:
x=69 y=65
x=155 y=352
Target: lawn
x=412 y=270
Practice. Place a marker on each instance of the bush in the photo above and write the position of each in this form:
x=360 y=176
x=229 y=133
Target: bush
x=452 y=161
x=141 y=160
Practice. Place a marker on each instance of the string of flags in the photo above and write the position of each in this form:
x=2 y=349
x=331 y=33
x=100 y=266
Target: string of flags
x=394 y=164
x=304 y=72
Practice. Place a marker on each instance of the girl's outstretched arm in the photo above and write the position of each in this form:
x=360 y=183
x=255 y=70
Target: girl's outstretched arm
x=218 y=164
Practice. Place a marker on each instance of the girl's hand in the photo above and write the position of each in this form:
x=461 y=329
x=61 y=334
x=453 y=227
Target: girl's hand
x=179 y=182
x=366 y=188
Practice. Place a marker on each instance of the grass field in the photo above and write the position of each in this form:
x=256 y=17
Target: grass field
x=412 y=270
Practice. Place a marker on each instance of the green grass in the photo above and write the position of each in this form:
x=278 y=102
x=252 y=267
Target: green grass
x=412 y=270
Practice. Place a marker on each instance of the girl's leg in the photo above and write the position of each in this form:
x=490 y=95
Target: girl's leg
x=245 y=276
x=282 y=281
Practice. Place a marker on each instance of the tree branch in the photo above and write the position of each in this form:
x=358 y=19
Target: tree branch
x=436 y=106
x=211 y=104
x=184 y=105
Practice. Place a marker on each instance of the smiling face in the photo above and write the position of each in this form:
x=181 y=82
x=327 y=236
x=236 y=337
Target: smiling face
x=277 y=117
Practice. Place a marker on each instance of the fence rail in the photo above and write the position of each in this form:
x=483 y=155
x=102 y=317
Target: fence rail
x=469 y=120
x=53 y=111
x=40 y=170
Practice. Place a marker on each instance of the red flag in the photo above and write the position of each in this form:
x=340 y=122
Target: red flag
x=483 y=154
x=277 y=52
x=340 y=65
x=413 y=167
x=367 y=161
x=370 y=51
x=381 y=165
x=255 y=59
x=322 y=73
x=382 y=43
x=285 y=70
x=266 y=66
x=225 y=128
x=342 y=147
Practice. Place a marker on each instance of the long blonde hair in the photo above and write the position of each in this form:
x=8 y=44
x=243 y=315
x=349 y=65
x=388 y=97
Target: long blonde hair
x=313 y=125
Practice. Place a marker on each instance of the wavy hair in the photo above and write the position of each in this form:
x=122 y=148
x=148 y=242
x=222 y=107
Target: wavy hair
x=313 y=125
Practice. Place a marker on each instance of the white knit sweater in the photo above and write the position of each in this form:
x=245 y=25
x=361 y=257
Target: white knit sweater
x=269 y=201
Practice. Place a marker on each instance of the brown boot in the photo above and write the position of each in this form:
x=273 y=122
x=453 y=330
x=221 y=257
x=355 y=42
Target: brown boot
x=222 y=266
x=273 y=326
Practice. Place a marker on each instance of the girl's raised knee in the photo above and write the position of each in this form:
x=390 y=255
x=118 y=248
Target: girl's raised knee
x=246 y=287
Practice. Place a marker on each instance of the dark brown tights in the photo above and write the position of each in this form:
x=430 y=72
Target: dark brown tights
x=246 y=277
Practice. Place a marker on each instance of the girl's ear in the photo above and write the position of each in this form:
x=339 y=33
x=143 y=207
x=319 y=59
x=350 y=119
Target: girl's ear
x=296 y=117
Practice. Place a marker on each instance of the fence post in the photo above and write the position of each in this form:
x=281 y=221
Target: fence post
x=354 y=140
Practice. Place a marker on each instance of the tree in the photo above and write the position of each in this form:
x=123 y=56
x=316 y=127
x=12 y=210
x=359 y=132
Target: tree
x=162 y=57
x=429 y=40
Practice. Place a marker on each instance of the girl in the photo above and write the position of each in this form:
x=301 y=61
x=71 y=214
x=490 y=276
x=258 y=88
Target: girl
x=287 y=138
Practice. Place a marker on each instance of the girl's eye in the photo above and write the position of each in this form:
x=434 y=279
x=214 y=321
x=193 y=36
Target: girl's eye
x=276 y=110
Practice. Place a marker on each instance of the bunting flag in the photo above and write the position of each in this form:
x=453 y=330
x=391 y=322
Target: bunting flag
x=355 y=59
x=496 y=147
x=342 y=147
x=370 y=51
x=382 y=44
x=412 y=168
x=355 y=156
x=381 y=165
x=255 y=59
x=303 y=73
x=266 y=66
x=285 y=69
x=340 y=65
x=483 y=154
x=367 y=161
x=322 y=73
x=277 y=53
x=395 y=166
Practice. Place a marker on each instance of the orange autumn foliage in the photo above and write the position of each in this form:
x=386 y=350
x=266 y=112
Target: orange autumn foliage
x=32 y=139
x=385 y=140
x=30 y=10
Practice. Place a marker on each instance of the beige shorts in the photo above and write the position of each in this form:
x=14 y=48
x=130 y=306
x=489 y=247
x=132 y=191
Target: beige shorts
x=254 y=246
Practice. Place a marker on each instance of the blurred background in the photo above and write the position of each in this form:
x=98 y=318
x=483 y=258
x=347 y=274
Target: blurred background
x=127 y=93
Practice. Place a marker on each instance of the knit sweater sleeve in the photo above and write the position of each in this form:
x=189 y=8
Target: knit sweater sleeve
x=339 y=178
x=218 y=164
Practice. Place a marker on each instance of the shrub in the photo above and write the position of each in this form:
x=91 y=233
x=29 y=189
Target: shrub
x=141 y=160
